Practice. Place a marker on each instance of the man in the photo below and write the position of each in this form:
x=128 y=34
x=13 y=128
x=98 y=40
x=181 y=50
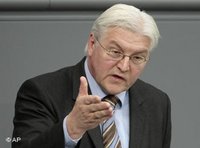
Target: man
x=65 y=108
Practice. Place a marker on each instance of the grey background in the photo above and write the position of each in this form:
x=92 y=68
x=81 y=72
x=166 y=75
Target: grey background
x=39 y=41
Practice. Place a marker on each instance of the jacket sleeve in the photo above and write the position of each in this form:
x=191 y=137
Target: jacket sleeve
x=168 y=126
x=36 y=121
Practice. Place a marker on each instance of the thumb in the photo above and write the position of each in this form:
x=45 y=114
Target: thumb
x=83 y=89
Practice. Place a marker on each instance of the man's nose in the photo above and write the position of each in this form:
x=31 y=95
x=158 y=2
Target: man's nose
x=124 y=64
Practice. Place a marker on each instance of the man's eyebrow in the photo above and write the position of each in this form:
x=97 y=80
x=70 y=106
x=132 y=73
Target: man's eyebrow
x=113 y=42
x=142 y=51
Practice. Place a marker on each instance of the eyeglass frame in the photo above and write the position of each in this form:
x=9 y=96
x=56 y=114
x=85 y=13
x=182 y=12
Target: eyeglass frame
x=118 y=56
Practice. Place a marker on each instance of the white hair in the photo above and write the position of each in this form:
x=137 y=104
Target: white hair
x=127 y=17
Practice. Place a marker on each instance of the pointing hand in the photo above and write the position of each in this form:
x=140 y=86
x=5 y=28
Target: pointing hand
x=88 y=112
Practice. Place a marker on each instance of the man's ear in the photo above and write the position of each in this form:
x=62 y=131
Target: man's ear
x=91 y=44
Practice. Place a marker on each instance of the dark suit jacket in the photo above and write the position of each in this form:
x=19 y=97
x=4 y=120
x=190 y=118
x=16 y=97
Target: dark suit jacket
x=43 y=102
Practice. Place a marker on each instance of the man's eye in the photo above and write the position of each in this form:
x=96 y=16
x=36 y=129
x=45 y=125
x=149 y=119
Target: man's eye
x=114 y=51
x=137 y=57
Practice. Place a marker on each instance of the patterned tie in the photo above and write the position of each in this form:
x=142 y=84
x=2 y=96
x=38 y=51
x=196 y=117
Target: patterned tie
x=110 y=134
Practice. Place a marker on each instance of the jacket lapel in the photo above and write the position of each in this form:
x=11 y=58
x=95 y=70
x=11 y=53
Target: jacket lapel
x=94 y=134
x=137 y=117
x=77 y=72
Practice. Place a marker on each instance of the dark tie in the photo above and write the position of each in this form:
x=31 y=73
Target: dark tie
x=110 y=134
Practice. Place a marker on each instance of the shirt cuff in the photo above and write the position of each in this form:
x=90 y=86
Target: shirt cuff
x=69 y=142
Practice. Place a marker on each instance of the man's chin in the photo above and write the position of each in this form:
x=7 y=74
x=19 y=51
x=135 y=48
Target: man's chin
x=113 y=90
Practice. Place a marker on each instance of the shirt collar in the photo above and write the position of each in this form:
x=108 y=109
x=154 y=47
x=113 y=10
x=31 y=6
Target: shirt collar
x=96 y=89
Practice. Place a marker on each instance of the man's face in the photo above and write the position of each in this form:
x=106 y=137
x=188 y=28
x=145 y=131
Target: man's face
x=115 y=76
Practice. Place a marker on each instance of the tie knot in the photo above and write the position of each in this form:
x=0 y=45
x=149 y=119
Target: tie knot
x=113 y=100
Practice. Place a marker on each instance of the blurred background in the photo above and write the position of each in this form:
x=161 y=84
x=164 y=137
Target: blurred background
x=40 y=36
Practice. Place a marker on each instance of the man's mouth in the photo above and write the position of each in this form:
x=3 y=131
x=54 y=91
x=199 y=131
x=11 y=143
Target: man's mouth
x=118 y=77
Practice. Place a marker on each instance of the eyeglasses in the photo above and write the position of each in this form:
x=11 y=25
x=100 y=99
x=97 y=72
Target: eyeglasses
x=118 y=55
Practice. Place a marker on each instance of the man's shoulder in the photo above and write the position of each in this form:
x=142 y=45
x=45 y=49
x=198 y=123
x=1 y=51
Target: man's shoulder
x=147 y=89
x=153 y=96
x=63 y=75
x=47 y=82
x=54 y=76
